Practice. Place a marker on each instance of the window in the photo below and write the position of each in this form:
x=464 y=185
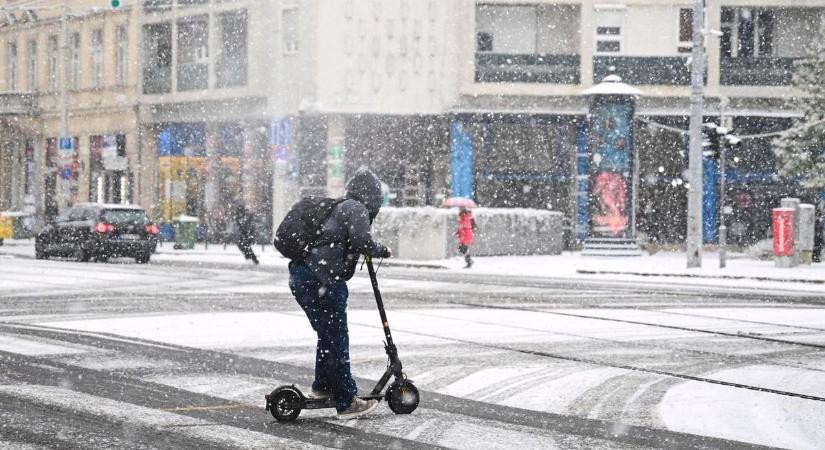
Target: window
x=506 y=29
x=230 y=69
x=157 y=58
x=609 y=24
x=11 y=66
x=484 y=41
x=156 y=5
x=747 y=32
x=97 y=59
x=289 y=25
x=193 y=54
x=121 y=55
x=53 y=58
x=608 y=39
x=74 y=57
x=120 y=145
x=32 y=52
x=685 y=30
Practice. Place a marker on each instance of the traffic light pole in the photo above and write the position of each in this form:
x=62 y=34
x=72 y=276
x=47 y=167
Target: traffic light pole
x=697 y=84
x=723 y=154
x=723 y=229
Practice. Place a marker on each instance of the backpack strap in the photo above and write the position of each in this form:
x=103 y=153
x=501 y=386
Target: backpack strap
x=322 y=242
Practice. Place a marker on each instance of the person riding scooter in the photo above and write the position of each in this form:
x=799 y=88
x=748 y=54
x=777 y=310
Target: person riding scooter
x=319 y=284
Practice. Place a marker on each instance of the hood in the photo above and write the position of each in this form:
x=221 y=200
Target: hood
x=365 y=187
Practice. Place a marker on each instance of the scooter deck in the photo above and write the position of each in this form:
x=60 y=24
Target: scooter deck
x=321 y=403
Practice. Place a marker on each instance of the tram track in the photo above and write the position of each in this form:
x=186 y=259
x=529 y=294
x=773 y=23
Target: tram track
x=648 y=324
x=220 y=362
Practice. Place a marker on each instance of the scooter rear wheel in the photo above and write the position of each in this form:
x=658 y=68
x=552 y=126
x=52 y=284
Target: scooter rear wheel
x=284 y=404
x=402 y=397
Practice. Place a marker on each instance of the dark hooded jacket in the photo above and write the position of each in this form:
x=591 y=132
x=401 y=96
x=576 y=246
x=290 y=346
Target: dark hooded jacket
x=346 y=234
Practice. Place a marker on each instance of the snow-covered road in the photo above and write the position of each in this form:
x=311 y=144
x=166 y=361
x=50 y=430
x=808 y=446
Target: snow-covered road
x=186 y=353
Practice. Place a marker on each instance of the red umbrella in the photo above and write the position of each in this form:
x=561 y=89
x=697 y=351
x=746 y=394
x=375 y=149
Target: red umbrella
x=458 y=202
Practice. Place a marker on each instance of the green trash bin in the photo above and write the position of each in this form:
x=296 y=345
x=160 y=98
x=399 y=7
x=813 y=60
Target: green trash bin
x=185 y=232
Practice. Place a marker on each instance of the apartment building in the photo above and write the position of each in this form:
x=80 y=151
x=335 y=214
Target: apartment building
x=521 y=100
x=258 y=101
x=100 y=72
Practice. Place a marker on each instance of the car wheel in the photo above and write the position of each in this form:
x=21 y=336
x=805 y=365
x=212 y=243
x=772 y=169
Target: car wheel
x=142 y=258
x=39 y=253
x=80 y=254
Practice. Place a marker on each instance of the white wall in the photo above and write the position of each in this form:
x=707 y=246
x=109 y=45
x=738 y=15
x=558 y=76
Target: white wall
x=794 y=30
x=559 y=29
x=651 y=30
x=513 y=27
x=387 y=56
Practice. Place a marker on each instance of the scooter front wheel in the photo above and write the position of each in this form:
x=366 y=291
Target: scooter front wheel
x=284 y=403
x=402 y=397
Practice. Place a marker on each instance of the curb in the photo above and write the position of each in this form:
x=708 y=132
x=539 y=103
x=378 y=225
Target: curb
x=687 y=275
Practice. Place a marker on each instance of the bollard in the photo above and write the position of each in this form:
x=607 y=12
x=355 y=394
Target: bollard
x=806 y=222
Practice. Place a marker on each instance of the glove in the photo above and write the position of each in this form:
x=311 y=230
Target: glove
x=386 y=253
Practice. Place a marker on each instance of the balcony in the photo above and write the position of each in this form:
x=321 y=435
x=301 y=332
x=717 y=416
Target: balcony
x=757 y=71
x=644 y=70
x=527 y=68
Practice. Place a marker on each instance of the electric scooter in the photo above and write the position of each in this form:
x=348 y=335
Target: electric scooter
x=286 y=402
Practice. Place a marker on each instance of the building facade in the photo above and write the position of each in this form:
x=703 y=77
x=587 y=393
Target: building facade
x=521 y=102
x=98 y=66
x=256 y=102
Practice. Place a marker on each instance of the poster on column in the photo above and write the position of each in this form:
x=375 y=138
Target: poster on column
x=610 y=168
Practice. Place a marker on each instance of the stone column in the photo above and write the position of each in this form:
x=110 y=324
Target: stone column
x=336 y=156
x=282 y=154
x=250 y=168
x=39 y=176
x=83 y=169
x=211 y=190
x=586 y=44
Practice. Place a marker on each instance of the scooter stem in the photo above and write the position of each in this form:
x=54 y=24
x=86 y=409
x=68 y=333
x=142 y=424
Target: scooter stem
x=394 y=368
x=379 y=302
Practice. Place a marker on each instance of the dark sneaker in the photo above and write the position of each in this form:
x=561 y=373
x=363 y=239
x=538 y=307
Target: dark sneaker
x=357 y=408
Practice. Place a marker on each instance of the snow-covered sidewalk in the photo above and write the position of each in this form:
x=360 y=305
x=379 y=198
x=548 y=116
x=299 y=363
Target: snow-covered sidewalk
x=664 y=267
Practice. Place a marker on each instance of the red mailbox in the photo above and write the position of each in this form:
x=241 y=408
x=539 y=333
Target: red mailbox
x=783 y=232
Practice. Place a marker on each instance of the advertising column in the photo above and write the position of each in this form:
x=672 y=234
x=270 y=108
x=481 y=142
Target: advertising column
x=611 y=168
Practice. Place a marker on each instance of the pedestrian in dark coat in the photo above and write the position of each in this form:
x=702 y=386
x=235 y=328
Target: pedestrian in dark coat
x=245 y=227
x=319 y=285
x=466 y=234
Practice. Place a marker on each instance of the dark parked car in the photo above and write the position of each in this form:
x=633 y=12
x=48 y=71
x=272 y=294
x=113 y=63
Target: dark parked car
x=100 y=231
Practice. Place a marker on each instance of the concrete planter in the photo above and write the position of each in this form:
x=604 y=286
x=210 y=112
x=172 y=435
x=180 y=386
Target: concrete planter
x=429 y=233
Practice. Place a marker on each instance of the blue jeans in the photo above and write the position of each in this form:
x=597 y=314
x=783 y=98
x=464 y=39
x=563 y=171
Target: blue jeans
x=326 y=309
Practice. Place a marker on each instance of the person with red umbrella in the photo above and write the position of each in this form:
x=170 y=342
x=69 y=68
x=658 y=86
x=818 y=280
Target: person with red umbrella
x=466 y=234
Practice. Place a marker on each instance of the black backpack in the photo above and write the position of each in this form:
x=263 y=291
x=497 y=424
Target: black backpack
x=300 y=230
